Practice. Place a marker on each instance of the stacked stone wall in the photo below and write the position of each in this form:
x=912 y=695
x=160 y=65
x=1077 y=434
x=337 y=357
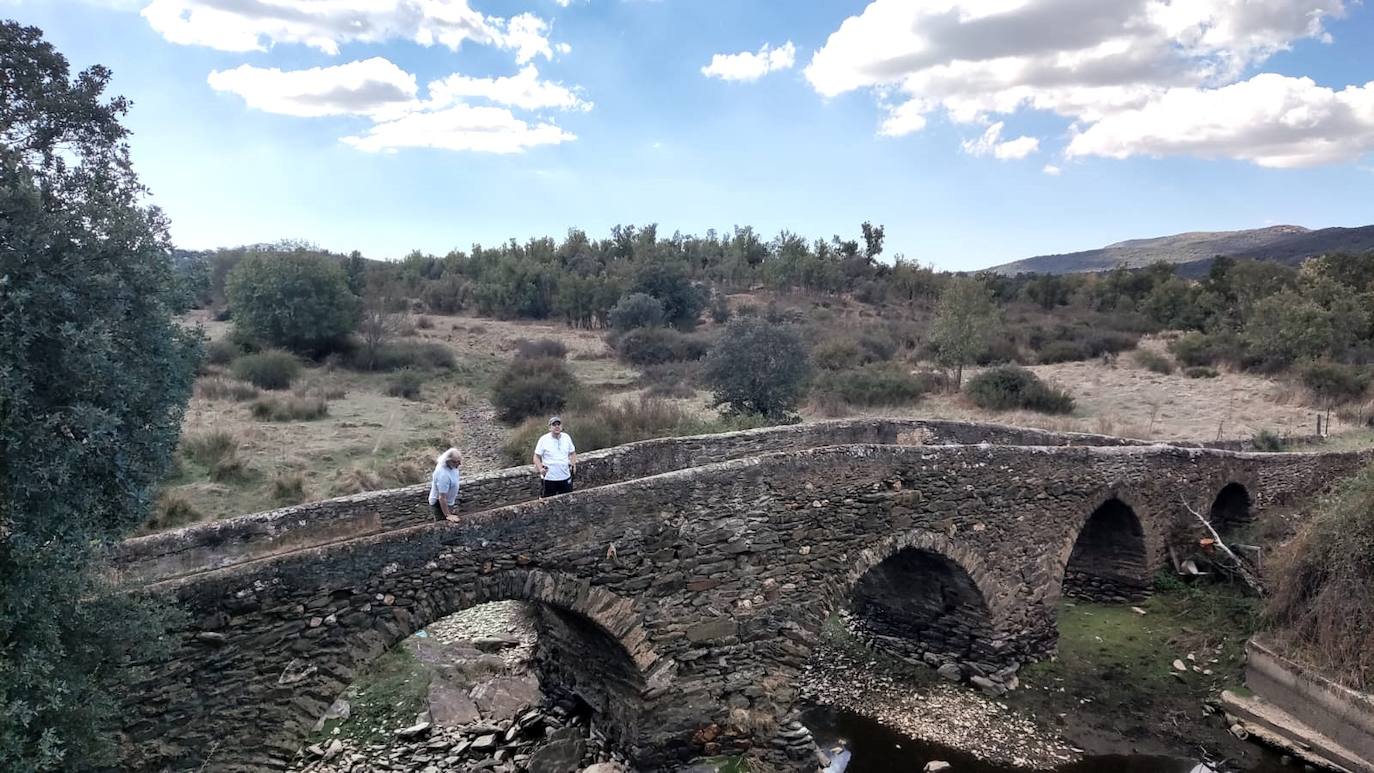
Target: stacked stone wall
x=714 y=581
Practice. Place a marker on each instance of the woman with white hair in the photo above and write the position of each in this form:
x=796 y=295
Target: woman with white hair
x=443 y=487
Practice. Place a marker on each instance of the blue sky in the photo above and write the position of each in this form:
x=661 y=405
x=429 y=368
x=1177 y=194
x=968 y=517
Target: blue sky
x=976 y=131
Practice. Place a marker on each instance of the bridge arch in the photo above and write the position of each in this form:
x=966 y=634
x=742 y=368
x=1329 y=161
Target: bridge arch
x=1231 y=508
x=591 y=641
x=1108 y=559
x=925 y=597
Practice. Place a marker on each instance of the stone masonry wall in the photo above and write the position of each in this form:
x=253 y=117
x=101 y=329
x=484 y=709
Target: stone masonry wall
x=227 y=542
x=714 y=582
x=1108 y=562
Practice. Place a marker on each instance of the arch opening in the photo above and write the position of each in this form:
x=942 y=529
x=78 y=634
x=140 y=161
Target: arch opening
x=493 y=682
x=1231 y=509
x=1108 y=563
x=923 y=606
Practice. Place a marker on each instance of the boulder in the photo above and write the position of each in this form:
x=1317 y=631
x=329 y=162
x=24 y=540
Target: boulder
x=936 y=765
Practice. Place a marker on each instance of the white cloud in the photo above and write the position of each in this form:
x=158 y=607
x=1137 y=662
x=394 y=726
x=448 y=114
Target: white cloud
x=524 y=90
x=379 y=90
x=1052 y=170
x=461 y=127
x=1271 y=120
x=991 y=144
x=254 y=25
x=370 y=87
x=1087 y=60
x=750 y=66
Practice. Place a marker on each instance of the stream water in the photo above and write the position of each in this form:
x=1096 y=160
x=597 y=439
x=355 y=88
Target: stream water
x=878 y=749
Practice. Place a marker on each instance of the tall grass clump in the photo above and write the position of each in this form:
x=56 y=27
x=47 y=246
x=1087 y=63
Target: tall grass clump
x=525 y=349
x=216 y=388
x=1321 y=603
x=171 y=510
x=405 y=384
x=290 y=408
x=272 y=369
x=533 y=388
x=207 y=448
x=1154 y=362
x=1010 y=388
x=221 y=351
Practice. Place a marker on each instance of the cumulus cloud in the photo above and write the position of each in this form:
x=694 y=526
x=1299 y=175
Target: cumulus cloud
x=387 y=95
x=1094 y=62
x=1052 y=170
x=254 y=25
x=1271 y=120
x=370 y=87
x=461 y=127
x=750 y=66
x=991 y=144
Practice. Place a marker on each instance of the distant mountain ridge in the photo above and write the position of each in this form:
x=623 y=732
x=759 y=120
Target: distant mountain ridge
x=1289 y=244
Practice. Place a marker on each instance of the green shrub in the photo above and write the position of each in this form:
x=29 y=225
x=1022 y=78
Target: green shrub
x=836 y=354
x=207 y=448
x=1201 y=371
x=397 y=355
x=1062 y=351
x=1154 y=362
x=759 y=367
x=1205 y=348
x=1335 y=383
x=1268 y=441
x=225 y=389
x=221 y=351
x=720 y=309
x=668 y=282
x=656 y=345
x=1010 y=387
x=637 y=310
x=296 y=300
x=289 y=408
x=671 y=379
x=871 y=385
x=273 y=369
x=540 y=347
x=533 y=388
x=405 y=384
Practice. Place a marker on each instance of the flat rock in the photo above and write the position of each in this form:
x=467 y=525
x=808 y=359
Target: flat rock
x=505 y=696
x=562 y=756
x=450 y=705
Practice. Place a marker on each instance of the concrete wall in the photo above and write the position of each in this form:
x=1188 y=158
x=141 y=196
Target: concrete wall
x=1339 y=713
x=713 y=581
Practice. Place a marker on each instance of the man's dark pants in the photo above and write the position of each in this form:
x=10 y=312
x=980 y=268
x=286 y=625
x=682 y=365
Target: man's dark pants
x=555 y=487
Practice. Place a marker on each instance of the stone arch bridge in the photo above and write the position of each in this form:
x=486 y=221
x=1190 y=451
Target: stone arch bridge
x=686 y=582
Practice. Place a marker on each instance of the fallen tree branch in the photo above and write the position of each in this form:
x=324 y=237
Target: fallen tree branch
x=1241 y=568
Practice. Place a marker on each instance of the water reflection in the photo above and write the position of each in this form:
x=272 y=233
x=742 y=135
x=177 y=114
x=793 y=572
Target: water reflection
x=876 y=749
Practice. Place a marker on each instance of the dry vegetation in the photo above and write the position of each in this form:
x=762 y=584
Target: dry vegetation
x=338 y=431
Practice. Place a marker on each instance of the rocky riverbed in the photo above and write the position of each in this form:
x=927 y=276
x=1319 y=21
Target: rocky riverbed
x=482 y=709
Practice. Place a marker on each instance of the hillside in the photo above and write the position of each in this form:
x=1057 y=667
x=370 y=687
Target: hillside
x=1288 y=244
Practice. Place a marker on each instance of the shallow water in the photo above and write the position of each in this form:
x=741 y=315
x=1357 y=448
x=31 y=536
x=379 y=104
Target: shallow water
x=877 y=749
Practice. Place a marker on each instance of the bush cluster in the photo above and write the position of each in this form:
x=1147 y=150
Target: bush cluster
x=221 y=351
x=1083 y=344
x=537 y=388
x=657 y=345
x=1010 y=388
x=396 y=355
x=406 y=384
x=216 y=388
x=1335 y=383
x=636 y=310
x=272 y=369
x=526 y=349
x=875 y=384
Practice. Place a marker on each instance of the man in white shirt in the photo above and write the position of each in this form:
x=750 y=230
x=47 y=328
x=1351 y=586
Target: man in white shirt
x=555 y=457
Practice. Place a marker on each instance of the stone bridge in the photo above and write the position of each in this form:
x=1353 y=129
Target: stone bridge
x=686 y=583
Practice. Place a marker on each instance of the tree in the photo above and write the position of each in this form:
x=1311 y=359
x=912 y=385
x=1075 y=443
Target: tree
x=682 y=301
x=759 y=367
x=965 y=321
x=636 y=310
x=94 y=378
x=298 y=300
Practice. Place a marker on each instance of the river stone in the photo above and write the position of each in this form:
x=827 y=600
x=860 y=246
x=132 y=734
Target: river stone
x=936 y=765
x=505 y=696
x=950 y=671
x=494 y=643
x=562 y=756
x=604 y=767
x=450 y=706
